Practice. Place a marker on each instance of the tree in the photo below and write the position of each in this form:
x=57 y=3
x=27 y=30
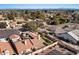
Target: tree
x=37 y=14
x=3 y=25
x=39 y=24
x=31 y=26
x=57 y=20
x=10 y=17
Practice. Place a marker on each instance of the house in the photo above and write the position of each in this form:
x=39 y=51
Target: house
x=71 y=36
x=33 y=38
x=27 y=42
x=54 y=49
x=19 y=19
x=12 y=24
x=1 y=17
x=59 y=50
x=16 y=44
x=5 y=33
x=5 y=46
x=9 y=23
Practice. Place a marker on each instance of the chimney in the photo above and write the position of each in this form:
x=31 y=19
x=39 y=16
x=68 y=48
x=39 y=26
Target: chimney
x=24 y=34
x=25 y=42
x=39 y=37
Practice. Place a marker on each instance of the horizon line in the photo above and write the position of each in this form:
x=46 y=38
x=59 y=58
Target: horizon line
x=39 y=6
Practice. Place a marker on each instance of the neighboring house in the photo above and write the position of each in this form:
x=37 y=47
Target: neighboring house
x=71 y=36
x=19 y=19
x=1 y=17
x=59 y=50
x=7 y=32
x=13 y=24
x=54 y=49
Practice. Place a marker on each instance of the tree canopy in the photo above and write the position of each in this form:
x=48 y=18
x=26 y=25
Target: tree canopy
x=33 y=26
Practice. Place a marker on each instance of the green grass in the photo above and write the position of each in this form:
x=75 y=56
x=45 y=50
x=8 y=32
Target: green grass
x=47 y=41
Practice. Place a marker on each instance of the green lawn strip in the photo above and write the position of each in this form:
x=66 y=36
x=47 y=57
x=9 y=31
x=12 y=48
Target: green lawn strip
x=47 y=41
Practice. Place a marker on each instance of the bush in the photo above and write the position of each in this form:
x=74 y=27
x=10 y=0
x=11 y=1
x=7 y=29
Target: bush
x=33 y=49
x=3 y=25
x=46 y=40
x=31 y=26
x=45 y=43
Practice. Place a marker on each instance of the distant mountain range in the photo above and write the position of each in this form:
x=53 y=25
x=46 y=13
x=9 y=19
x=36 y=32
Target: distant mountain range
x=41 y=8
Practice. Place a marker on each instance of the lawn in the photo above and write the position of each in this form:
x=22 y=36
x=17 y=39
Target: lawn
x=47 y=41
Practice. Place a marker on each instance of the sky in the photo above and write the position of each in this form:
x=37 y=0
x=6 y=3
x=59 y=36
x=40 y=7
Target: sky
x=39 y=6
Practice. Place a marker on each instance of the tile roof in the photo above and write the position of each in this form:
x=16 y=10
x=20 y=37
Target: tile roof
x=5 y=45
x=29 y=44
x=55 y=52
x=14 y=36
x=20 y=46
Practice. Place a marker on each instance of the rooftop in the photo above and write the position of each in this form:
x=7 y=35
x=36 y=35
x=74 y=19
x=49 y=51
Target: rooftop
x=74 y=34
x=22 y=46
x=56 y=50
x=5 y=45
x=7 y=32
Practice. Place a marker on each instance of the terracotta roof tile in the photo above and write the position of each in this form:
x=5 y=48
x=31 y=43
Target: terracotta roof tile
x=5 y=45
x=14 y=36
x=21 y=46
